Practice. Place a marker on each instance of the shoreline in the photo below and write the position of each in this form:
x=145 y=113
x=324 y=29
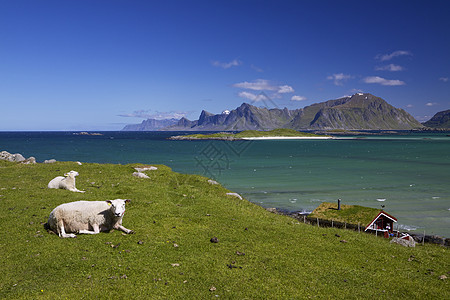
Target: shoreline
x=231 y=138
x=288 y=138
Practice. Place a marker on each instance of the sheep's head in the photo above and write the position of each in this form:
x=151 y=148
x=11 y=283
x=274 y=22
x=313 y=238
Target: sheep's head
x=118 y=206
x=72 y=174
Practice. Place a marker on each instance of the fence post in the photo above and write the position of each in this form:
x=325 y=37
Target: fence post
x=359 y=229
x=304 y=219
x=317 y=222
x=332 y=223
x=423 y=240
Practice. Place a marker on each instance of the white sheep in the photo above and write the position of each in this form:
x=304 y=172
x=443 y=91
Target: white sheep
x=67 y=182
x=140 y=175
x=88 y=217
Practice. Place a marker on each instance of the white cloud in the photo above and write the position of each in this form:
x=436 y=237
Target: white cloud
x=147 y=114
x=264 y=85
x=283 y=89
x=253 y=97
x=390 y=67
x=422 y=118
x=257 y=85
x=298 y=98
x=431 y=104
x=339 y=78
x=226 y=65
x=409 y=105
x=257 y=69
x=385 y=57
x=383 y=81
x=444 y=79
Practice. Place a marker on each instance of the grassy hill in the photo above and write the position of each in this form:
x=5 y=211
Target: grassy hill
x=259 y=255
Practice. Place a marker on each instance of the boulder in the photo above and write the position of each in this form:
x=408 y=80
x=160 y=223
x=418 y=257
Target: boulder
x=4 y=155
x=29 y=160
x=146 y=168
x=234 y=195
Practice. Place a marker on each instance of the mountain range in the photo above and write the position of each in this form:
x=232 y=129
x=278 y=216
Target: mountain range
x=359 y=111
x=150 y=125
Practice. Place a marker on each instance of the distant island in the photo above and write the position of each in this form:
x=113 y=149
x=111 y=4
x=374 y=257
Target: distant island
x=151 y=125
x=361 y=111
x=281 y=133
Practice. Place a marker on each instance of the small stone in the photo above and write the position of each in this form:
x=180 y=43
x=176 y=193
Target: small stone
x=123 y=276
x=344 y=241
x=442 y=277
x=140 y=242
x=176 y=245
x=212 y=289
x=214 y=240
x=240 y=253
x=337 y=235
x=175 y=265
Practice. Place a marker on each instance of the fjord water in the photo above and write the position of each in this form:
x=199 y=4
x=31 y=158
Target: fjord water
x=409 y=174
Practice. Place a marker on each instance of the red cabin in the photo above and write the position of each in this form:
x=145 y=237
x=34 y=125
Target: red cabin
x=383 y=223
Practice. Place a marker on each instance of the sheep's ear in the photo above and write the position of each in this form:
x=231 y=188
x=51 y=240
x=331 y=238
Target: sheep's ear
x=66 y=174
x=127 y=200
x=109 y=202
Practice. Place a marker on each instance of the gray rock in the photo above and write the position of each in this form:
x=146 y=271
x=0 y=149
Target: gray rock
x=235 y=195
x=4 y=155
x=147 y=168
x=29 y=160
x=49 y=161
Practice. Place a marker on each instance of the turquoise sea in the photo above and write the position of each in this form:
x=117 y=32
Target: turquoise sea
x=408 y=173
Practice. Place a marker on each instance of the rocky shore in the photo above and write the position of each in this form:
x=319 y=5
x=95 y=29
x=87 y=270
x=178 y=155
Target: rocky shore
x=17 y=157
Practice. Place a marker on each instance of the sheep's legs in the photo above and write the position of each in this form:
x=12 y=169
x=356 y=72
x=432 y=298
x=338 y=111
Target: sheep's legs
x=95 y=227
x=62 y=232
x=76 y=190
x=120 y=227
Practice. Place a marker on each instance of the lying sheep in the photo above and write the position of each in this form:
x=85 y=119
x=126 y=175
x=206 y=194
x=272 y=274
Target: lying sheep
x=140 y=175
x=88 y=217
x=67 y=182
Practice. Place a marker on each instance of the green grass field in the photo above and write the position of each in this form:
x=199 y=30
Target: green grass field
x=259 y=255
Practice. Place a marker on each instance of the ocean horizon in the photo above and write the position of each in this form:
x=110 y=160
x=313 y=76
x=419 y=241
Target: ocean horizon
x=407 y=173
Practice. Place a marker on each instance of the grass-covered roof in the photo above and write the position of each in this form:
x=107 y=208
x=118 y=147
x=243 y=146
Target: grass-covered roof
x=353 y=214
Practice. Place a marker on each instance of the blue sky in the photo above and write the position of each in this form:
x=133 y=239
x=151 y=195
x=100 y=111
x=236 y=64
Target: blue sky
x=98 y=65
